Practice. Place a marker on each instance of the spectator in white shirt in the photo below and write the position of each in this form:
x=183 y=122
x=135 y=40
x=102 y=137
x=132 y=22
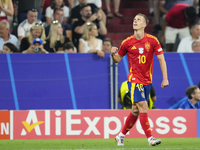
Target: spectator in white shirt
x=25 y=26
x=185 y=46
x=5 y=36
x=56 y=4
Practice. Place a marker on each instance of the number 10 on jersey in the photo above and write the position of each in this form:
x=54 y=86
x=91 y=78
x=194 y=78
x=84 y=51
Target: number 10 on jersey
x=142 y=59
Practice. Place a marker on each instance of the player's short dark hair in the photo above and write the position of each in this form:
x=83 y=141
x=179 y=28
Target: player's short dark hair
x=108 y=40
x=190 y=13
x=190 y=90
x=68 y=46
x=145 y=17
x=60 y=9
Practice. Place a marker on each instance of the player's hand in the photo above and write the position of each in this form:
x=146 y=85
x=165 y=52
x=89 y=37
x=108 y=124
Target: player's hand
x=164 y=83
x=113 y=50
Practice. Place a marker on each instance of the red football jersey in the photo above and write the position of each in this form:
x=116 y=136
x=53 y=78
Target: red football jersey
x=140 y=55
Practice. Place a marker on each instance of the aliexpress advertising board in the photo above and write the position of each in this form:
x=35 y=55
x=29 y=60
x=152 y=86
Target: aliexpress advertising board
x=86 y=124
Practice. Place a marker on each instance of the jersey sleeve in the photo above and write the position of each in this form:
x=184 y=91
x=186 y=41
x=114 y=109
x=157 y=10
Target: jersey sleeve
x=122 y=51
x=157 y=47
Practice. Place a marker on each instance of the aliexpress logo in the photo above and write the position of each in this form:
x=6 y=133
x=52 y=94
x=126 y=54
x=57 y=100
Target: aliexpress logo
x=31 y=123
x=29 y=127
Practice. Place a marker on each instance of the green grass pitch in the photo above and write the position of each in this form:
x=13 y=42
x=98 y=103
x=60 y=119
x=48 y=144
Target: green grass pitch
x=100 y=144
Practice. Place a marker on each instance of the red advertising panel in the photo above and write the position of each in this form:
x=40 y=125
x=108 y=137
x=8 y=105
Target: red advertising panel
x=4 y=124
x=81 y=124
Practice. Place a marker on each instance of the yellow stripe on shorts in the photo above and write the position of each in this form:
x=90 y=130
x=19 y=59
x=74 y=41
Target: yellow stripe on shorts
x=132 y=92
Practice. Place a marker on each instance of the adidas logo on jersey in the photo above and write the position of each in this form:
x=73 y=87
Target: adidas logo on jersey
x=133 y=47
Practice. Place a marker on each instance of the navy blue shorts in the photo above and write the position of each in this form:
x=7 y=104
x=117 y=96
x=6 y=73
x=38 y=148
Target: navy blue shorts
x=139 y=92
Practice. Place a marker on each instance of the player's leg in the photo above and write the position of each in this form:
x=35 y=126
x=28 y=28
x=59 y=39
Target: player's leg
x=129 y=123
x=142 y=105
x=131 y=119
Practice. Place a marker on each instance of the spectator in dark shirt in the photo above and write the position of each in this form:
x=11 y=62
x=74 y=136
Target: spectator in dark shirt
x=68 y=48
x=75 y=12
x=87 y=16
x=36 y=47
x=55 y=41
x=36 y=31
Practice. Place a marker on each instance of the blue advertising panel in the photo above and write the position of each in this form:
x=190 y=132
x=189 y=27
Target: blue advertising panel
x=183 y=71
x=198 y=123
x=6 y=96
x=82 y=81
x=54 y=81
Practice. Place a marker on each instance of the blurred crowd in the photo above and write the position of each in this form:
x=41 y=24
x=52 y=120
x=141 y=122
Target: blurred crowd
x=79 y=26
x=176 y=23
x=54 y=26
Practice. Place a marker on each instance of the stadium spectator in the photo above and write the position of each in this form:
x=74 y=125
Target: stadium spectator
x=36 y=31
x=36 y=47
x=5 y=36
x=7 y=9
x=125 y=100
x=89 y=43
x=56 y=4
x=107 y=45
x=94 y=4
x=161 y=7
x=75 y=12
x=73 y=3
x=46 y=4
x=116 y=9
x=25 y=5
x=57 y=15
x=10 y=48
x=193 y=93
x=196 y=46
x=86 y=16
x=185 y=46
x=25 y=26
x=155 y=12
x=166 y=5
x=68 y=48
x=55 y=41
x=176 y=23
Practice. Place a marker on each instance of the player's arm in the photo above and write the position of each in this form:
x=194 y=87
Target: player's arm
x=163 y=68
x=116 y=57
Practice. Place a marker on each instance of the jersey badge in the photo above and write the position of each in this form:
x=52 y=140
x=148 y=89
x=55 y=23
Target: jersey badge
x=147 y=46
x=141 y=50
